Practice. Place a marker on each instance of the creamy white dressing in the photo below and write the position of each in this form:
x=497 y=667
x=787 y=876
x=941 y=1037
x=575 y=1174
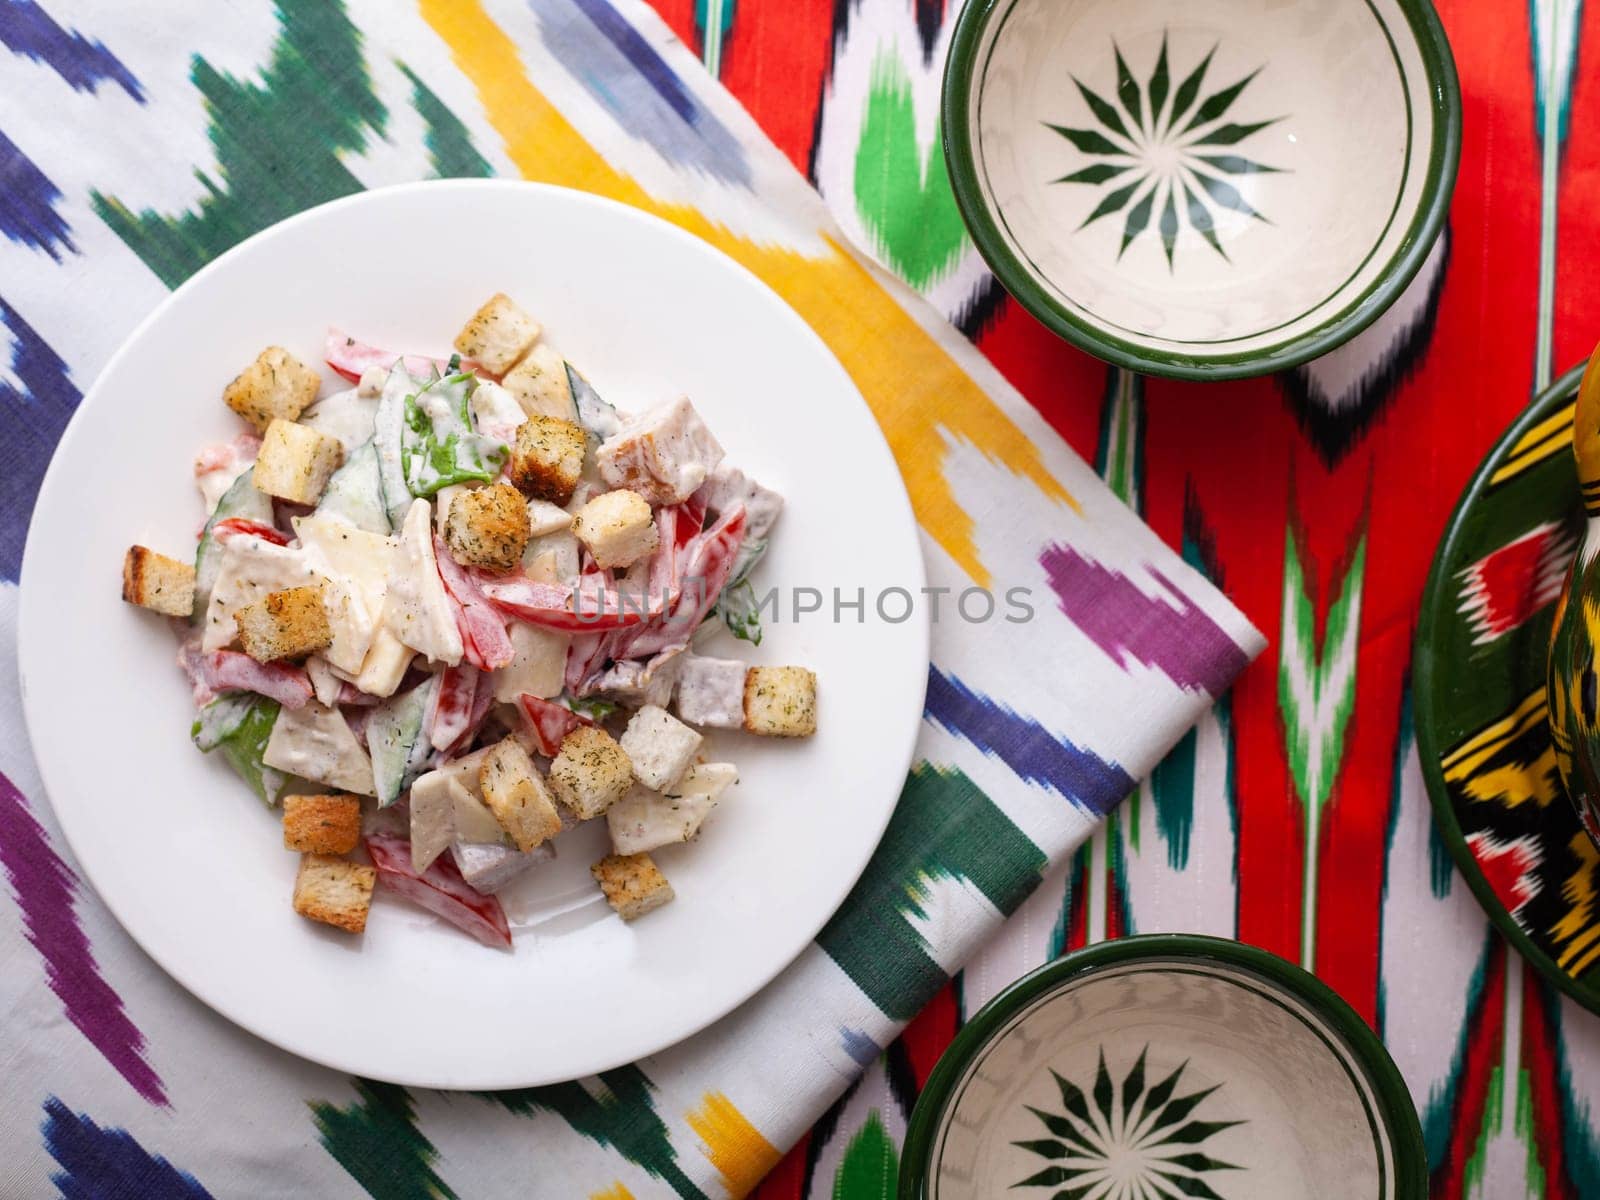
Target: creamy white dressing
x=315 y=742
x=250 y=568
x=417 y=610
x=346 y=415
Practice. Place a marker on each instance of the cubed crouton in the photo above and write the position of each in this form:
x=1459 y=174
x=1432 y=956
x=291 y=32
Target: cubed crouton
x=540 y=384
x=276 y=386
x=633 y=884
x=497 y=334
x=321 y=824
x=780 y=701
x=296 y=461
x=617 y=527
x=488 y=527
x=664 y=453
x=591 y=773
x=156 y=582
x=517 y=796
x=334 y=891
x=711 y=691
x=547 y=459
x=659 y=746
x=287 y=624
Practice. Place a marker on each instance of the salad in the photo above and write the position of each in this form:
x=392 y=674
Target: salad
x=446 y=615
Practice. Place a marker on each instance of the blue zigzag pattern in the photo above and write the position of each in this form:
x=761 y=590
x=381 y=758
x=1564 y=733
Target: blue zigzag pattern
x=33 y=418
x=624 y=73
x=1026 y=746
x=28 y=198
x=28 y=30
x=108 y=1164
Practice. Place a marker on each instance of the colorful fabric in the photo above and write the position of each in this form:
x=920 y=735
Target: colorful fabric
x=135 y=147
x=1294 y=816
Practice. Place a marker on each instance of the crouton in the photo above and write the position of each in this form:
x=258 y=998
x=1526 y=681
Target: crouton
x=276 y=386
x=540 y=384
x=296 y=462
x=711 y=691
x=547 y=459
x=488 y=527
x=664 y=454
x=287 y=624
x=517 y=796
x=321 y=824
x=659 y=746
x=780 y=701
x=591 y=773
x=633 y=884
x=617 y=527
x=498 y=334
x=334 y=891
x=156 y=582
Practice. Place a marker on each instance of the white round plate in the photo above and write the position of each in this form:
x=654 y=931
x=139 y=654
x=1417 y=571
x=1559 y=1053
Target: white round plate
x=194 y=867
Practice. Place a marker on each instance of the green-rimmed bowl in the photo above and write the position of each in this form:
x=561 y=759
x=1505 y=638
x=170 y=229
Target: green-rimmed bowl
x=1204 y=189
x=1161 y=1066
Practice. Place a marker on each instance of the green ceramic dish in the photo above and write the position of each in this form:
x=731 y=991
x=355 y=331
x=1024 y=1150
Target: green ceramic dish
x=1204 y=189
x=1166 y=1065
x=1478 y=693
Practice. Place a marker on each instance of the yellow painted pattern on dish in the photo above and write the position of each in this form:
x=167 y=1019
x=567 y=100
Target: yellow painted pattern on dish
x=734 y=1146
x=1579 y=929
x=1551 y=436
x=915 y=389
x=1466 y=758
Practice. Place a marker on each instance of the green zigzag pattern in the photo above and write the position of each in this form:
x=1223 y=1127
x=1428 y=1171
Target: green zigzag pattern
x=278 y=142
x=943 y=826
x=902 y=194
x=619 y=1114
x=377 y=1141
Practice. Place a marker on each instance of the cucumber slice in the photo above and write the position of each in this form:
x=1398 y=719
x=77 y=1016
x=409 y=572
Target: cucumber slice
x=241 y=500
x=394 y=740
x=593 y=413
x=355 y=493
x=388 y=429
x=239 y=725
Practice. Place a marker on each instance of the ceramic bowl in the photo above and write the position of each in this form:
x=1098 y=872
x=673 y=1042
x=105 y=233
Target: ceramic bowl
x=1204 y=189
x=1165 y=1066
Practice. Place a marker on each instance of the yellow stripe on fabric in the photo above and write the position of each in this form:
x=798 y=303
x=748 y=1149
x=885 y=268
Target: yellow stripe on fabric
x=735 y=1147
x=615 y=1192
x=915 y=389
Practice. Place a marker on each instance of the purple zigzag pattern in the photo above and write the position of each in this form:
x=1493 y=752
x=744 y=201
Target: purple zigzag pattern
x=108 y=1164
x=1024 y=745
x=46 y=889
x=1173 y=635
x=33 y=417
x=28 y=30
x=28 y=198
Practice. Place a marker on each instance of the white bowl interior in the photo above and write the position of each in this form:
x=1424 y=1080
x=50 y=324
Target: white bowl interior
x=1292 y=1114
x=1337 y=104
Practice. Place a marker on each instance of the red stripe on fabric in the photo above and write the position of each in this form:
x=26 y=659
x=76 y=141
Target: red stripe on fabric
x=1477 y=1069
x=1578 y=222
x=679 y=15
x=774 y=62
x=787 y=1180
x=930 y=1032
x=1062 y=382
x=1539 y=1060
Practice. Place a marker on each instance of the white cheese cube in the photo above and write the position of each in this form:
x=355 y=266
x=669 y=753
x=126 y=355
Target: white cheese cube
x=645 y=820
x=659 y=746
x=356 y=563
x=711 y=691
x=664 y=453
x=385 y=664
x=544 y=517
x=316 y=742
x=417 y=610
x=537 y=667
x=488 y=868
